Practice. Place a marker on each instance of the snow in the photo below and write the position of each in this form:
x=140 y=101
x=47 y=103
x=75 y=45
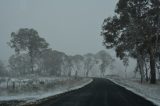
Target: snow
x=68 y=84
x=150 y=92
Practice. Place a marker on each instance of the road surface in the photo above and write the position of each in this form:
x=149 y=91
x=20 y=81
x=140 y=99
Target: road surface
x=101 y=92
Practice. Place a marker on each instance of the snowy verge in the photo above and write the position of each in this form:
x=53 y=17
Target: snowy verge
x=40 y=98
x=148 y=91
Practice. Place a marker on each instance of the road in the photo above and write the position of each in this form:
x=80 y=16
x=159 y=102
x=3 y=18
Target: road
x=101 y=92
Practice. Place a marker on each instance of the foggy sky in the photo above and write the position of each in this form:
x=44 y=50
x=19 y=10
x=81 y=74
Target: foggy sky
x=71 y=26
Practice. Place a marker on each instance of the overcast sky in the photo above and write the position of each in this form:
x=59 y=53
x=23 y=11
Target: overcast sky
x=71 y=26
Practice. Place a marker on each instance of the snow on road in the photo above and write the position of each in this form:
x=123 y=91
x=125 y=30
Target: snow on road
x=149 y=91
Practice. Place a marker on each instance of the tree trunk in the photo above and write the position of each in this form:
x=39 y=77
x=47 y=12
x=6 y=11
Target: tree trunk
x=140 y=70
x=87 y=73
x=7 y=83
x=140 y=66
x=126 y=72
x=69 y=72
x=13 y=85
x=146 y=71
x=31 y=58
x=76 y=74
x=158 y=74
x=32 y=64
x=152 y=65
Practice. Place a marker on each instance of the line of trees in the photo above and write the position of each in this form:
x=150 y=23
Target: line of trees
x=33 y=56
x=48 y=62
x=54 y=63
x=134 y=31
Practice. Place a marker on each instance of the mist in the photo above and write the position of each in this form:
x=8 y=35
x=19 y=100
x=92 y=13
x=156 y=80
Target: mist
x=79 y=52
x=69 y=26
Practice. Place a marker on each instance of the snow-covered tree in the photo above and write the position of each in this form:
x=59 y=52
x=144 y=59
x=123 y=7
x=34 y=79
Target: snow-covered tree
x=88 y=63
x=20 y=64
x=3 y=70
x=28 y=40
x=134 y=29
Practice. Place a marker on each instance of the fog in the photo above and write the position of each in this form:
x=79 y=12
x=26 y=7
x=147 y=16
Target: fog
x=51 y=47
x=71 y=26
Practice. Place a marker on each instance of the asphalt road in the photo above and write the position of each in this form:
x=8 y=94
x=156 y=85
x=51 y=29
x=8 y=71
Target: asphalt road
x=101 y=92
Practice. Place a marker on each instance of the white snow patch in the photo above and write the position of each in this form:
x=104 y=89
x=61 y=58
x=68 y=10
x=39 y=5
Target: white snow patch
x=146 y=90
x=68 y=84
x=59 y=91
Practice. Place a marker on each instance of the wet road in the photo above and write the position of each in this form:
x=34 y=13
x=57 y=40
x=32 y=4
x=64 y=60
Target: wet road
x=101 y=92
